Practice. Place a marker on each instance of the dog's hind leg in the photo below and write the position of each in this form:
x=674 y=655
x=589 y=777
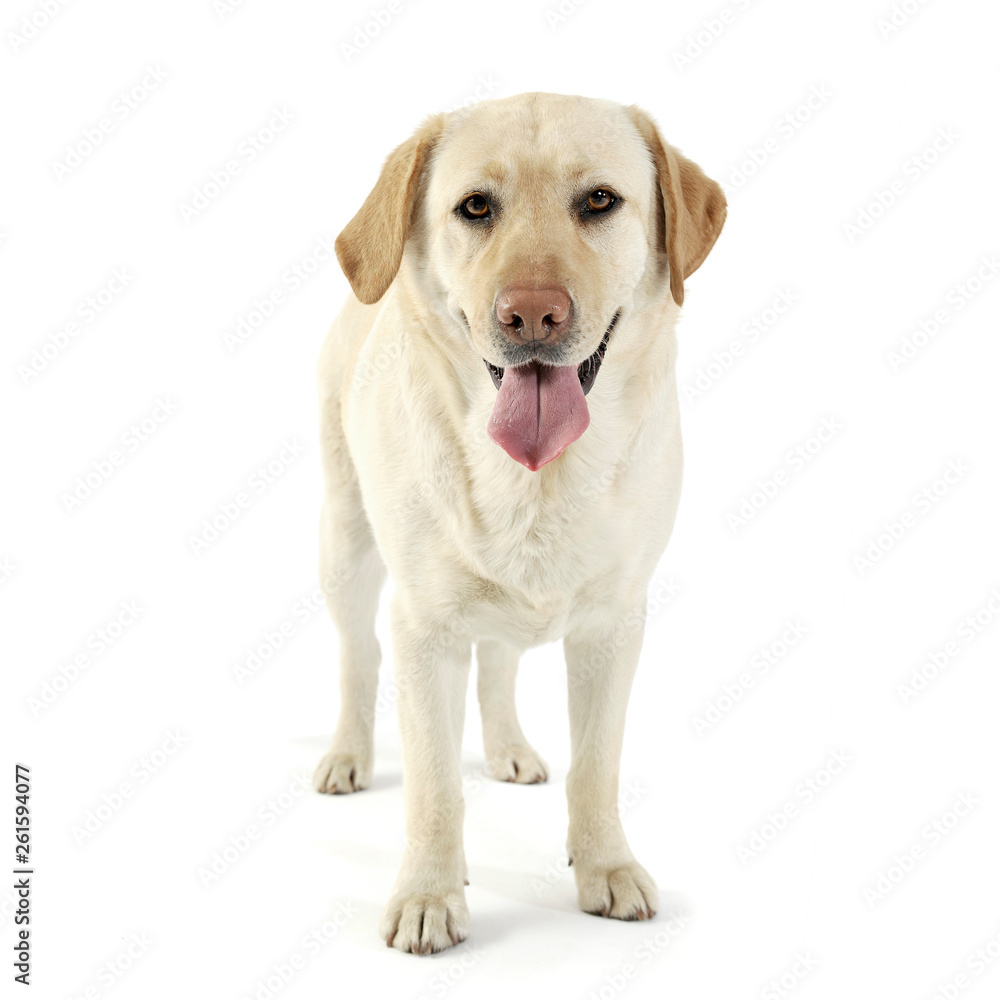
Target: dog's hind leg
x=352 y=574
x=509 y=757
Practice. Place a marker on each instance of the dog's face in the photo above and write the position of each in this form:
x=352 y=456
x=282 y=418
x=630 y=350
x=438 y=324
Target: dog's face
x=539 y=194
x=533 y=221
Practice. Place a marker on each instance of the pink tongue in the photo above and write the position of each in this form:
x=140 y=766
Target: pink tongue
x=539 y=411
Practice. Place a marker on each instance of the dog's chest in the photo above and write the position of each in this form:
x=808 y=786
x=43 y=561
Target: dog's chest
x=534 y=554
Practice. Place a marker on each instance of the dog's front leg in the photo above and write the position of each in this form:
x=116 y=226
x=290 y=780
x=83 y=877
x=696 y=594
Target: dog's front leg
x=427 y=911
x=601 y=656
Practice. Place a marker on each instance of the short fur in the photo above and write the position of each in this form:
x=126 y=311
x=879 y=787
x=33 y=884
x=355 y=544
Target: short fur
x=482 y=551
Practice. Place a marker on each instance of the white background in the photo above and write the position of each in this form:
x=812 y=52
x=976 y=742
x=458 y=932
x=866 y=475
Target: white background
x=731 y=921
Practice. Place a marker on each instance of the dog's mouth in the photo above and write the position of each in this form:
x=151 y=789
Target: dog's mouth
x=542 y=409
x=586 y=371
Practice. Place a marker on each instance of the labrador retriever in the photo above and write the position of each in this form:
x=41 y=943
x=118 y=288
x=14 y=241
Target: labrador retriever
x=500 y=430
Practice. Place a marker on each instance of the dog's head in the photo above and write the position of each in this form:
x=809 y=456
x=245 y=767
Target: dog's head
x=534 y=220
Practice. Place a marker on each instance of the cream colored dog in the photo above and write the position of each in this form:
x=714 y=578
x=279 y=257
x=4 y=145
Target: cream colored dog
x=500 y=430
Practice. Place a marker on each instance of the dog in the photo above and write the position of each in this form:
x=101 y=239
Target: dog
x=500 y=432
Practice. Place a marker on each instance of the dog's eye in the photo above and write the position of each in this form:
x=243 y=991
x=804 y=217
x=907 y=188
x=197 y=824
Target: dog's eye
x=475 y=207
x=600 y=200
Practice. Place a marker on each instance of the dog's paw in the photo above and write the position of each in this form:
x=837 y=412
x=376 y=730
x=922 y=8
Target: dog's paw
x=519 y=764
x=625 y=892
x=340 y=772
x=422 y=924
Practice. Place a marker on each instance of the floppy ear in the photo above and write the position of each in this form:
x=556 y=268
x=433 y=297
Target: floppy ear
x=694 y=205
x=370 y=246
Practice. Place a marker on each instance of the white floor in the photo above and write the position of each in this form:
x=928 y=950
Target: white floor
x=232 y=872
x=818 y=827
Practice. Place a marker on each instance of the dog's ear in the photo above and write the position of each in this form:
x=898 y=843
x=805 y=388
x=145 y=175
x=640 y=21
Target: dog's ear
x=693 y=204
x=370 y=246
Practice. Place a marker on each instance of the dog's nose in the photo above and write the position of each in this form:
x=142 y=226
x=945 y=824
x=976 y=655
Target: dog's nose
x=527 y=314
